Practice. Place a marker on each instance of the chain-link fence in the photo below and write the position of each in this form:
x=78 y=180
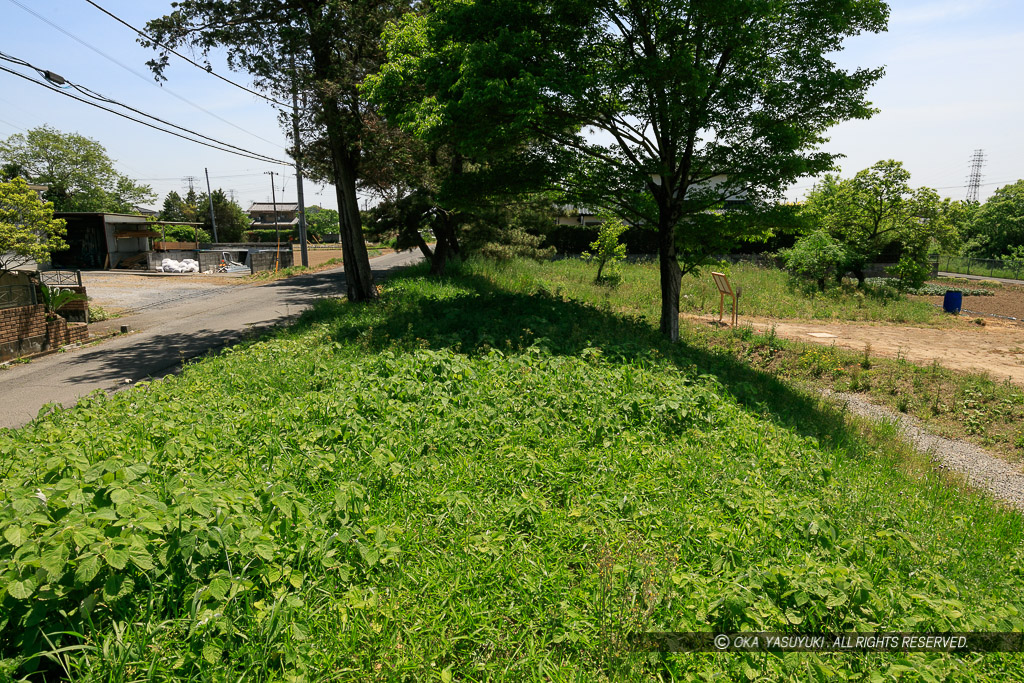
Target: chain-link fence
x=1012 y=269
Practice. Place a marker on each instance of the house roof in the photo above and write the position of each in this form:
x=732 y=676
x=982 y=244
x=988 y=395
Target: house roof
x=258 y=207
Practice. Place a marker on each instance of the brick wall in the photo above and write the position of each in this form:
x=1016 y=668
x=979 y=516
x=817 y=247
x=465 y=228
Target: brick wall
x=24 y=331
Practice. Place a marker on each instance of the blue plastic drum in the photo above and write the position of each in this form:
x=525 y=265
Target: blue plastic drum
x=953 y=301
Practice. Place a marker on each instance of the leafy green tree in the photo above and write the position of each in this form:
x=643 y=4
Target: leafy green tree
x=321 y=221
x=28 y=230
x=175 y=208
x=320 y=48
x=1014 y=260
x=232 y=220
x=701 y=104
x=817 y=256
x=80 y=174
x=875 y=211
x=606 y=249
x=998 y=225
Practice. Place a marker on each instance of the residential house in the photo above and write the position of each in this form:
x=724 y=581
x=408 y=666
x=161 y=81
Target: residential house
x=268 y=216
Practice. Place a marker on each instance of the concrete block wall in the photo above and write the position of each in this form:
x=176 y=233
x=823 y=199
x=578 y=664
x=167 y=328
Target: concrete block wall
x=265 y=260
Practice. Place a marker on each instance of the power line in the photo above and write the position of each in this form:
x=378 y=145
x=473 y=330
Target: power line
x=187 y=59
x=248 y=155
x=139 y=75
x=56 y=78
x=60 y=80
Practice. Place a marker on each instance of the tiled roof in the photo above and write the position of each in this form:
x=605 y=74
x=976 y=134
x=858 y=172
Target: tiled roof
x=281 y=207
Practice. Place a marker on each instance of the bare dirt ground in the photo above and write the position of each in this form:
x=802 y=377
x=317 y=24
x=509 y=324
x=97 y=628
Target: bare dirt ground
x=1006 y=301
x=997 y=348
x=122 y=293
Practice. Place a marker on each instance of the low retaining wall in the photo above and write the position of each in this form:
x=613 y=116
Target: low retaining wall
x=267 y=260
x=25 y=331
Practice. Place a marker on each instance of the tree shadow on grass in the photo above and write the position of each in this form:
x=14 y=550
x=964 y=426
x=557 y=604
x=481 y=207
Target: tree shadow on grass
x=488 y=317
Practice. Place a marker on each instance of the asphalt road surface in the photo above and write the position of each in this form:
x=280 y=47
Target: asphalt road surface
x=164 y=337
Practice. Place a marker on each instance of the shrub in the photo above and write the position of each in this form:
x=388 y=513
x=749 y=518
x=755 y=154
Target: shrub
x=911 y=272
x=817 y=256
x=607 y=250
x=185 y=233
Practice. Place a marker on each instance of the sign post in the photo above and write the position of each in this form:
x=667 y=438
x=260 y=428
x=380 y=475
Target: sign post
x=724 y=288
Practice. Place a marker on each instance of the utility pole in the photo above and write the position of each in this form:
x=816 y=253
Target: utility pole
x=209 y=195
x=974 y=179
x=277 y=221
x=298 y=165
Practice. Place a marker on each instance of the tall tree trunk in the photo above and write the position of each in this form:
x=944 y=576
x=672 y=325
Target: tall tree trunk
x=671 y=276
x=359 y=283
x=423 y=246
x=441 y=248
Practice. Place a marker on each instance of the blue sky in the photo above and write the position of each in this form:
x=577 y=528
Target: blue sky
x=954 y=83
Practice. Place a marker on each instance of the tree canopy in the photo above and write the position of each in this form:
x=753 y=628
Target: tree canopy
x=80 y=175
x=997 y=226
x=875 y=211
x=691 y=103
x=28 y=230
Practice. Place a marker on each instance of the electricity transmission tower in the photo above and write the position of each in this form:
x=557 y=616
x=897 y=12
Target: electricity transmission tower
x=974 y=179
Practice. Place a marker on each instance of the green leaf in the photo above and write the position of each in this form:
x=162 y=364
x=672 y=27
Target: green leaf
x=55 y=562
x=16 y=535
x=141 y=558
x=116 y=558
x=218 y=588
x=116 y=587
x=212 y=652
x=265 y=551
x=21 y=590
x=120 y=496
x=87 y=569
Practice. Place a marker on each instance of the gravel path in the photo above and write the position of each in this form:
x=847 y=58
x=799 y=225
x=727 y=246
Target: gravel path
x=980 y=468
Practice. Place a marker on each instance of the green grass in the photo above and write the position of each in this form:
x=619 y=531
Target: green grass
x=971 y=266
x=962 y=405
x=766 y=292
x=480 y=479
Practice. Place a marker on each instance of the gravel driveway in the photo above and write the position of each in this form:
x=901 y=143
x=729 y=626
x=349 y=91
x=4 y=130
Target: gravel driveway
x=122 y=293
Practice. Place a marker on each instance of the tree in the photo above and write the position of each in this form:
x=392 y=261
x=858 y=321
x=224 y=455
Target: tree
x=606 y=249
x=875 y=211
x=817 y=256
x=80 y=175
x=28 y=230
x=232 y=220
x=320 y=221
x=998 y=224
x=177 y=209
x=698 y=102
x=323 y=48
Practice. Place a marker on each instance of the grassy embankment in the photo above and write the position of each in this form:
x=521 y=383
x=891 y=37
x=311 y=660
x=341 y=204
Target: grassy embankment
x=480 y=479
x=975 y=407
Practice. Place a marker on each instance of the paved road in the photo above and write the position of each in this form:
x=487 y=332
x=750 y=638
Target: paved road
x=1004 y=280
x=162 y=338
